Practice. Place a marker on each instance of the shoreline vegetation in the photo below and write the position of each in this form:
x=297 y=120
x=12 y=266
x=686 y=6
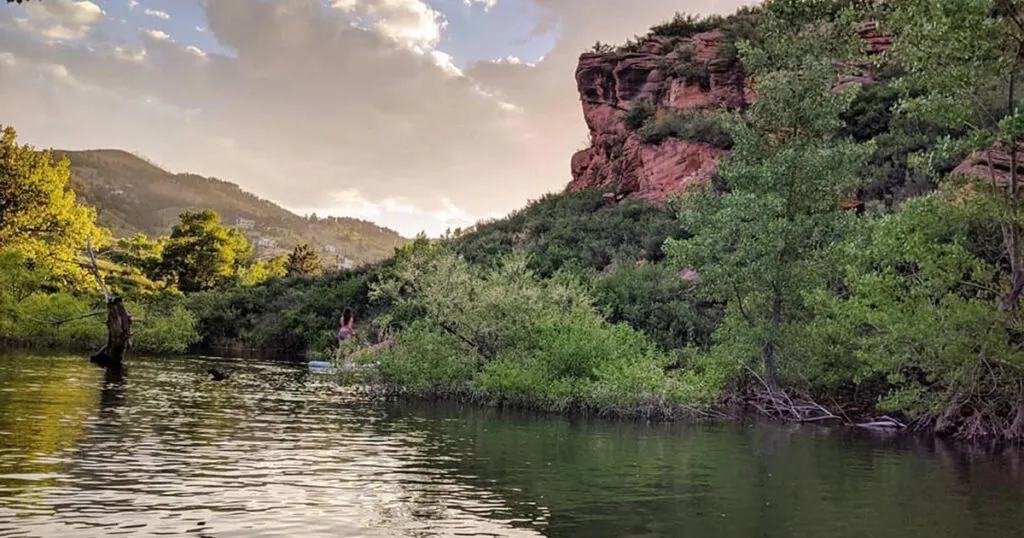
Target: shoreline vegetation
x=760 y=293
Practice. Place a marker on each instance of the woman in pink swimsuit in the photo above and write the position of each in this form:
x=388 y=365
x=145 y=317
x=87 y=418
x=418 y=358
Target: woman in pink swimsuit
x=346 y=330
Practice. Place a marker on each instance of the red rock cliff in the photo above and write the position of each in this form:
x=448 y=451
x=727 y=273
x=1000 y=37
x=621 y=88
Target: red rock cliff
x=610 y=83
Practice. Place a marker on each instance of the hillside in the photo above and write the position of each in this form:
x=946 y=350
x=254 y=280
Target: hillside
x=132 y=195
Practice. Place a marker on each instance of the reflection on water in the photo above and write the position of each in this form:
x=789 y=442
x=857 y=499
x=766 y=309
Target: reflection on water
x=276 y=451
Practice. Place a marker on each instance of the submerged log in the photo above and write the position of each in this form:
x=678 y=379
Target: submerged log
x=119 y=334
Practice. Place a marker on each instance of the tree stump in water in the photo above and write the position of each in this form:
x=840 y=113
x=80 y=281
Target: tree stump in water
x=119 y=334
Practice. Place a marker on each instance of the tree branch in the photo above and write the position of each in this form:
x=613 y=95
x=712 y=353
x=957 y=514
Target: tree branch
x=95 y=269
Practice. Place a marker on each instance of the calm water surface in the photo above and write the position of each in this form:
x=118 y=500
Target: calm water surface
x=276 y=451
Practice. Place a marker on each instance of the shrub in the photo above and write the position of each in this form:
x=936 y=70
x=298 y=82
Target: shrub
x=654 y=299
x=695 y=74
x=501 y=331
x=638 y=114
x=576 y=231
x=694 y=126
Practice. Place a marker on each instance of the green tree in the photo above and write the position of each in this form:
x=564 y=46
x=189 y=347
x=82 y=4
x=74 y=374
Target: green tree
x=763 y=245
x=261 y=271
x=972 y=87
x=138 y=251
x=39 y=215
x=202 y=253
x=303 y=260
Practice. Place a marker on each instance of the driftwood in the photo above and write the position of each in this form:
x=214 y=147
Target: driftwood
x=119 y=322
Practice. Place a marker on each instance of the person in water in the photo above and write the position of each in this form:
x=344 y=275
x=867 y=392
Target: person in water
x=347 y=329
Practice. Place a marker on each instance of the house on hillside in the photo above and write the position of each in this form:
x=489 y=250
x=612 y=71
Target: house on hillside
x=330 y=249
x=244 y=224
x=265 y=242
x=345 y=263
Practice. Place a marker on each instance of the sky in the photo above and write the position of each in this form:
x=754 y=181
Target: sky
x=419 y=115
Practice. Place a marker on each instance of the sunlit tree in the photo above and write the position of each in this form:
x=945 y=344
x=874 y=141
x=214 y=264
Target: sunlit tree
x=39 y=215
x=202 y=253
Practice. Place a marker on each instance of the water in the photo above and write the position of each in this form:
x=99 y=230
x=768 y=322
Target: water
x=277 y=451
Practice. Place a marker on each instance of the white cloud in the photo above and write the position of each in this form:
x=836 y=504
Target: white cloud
x=196 y=51
x=132 y=4
x=61 y=20
x=158 y=35
x=130 y=54
x=409 y=22
x=158 y=14
x=487 y=4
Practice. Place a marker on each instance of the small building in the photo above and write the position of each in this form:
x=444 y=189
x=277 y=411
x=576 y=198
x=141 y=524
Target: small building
x=265 y=242
x=245 y=224
x=330 y=249
x=345 y=263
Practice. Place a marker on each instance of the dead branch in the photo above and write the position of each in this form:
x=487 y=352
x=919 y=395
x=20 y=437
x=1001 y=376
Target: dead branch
x=96 y=271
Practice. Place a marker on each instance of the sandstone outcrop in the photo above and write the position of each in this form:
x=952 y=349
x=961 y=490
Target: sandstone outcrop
x=993 y=164
x=672 y=73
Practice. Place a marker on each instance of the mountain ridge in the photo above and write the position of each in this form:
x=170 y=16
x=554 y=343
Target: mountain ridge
x=133 y=195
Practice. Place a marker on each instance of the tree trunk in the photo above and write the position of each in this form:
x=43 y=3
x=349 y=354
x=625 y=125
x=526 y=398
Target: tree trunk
x=119 y=335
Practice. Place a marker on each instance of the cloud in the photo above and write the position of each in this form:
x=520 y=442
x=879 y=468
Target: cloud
x=60 y=20
x=410 y=22
x=306 y=105
x=158 y=14
x=487 y=4
x=158 y=35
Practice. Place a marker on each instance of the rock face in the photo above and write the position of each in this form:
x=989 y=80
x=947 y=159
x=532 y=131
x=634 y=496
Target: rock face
x=993 y=164
x=672 y=73
x=698 y=72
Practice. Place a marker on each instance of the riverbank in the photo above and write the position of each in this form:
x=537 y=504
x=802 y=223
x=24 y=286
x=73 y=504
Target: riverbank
x=747 y=406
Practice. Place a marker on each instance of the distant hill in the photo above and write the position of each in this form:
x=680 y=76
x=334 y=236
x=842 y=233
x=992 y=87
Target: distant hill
x=133 y=195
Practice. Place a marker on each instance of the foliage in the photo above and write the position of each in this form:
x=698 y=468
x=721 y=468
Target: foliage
x=201 y=253
x=502 y=332
x=303 y=260
x=574 y=231
x=261 y=271
x=138 y=251
x=974 y=89
x=282 y=316
x=917 y=325
x=39 y=216
x=163 y=327
x=694 y=73
x=691 y=125
x=638 y=114
x=760 y=247
x=656 y=300
x=31 y=314
x=740 y=25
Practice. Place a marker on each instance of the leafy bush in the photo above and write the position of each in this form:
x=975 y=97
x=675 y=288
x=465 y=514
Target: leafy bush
x=695 y=74
x=284 y=316
x=740 y=25
x=654 y=299
x=638 y=114
x=694 y=126
x=574 y=231
x=163 y=328
x=502 y=332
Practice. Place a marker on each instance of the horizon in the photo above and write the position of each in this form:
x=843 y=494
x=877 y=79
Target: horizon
x=416 y=115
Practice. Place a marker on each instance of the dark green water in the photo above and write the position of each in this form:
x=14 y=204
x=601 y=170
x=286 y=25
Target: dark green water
x=276 y=451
